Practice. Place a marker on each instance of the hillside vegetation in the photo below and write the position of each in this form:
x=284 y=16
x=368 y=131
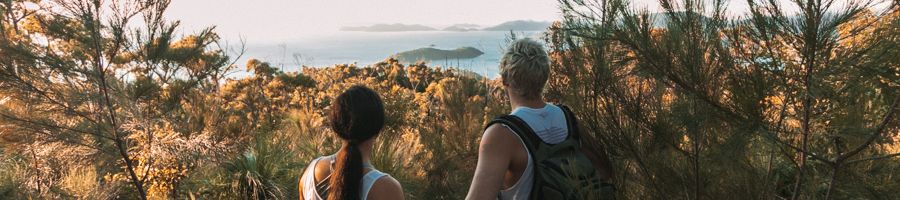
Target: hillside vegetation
x=100 y=103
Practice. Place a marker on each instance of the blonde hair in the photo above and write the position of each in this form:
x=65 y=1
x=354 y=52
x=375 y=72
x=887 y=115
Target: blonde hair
x=525 y=68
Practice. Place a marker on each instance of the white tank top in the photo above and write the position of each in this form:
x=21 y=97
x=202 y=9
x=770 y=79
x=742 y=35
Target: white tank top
x=549 y=123
x=310 y=192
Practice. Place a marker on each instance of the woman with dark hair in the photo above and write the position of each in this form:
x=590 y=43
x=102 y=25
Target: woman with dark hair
x=357 y=116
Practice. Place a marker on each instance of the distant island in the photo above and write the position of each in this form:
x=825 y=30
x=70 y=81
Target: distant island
x=389 y=28
x=429 y=53
x=463 y=27
x=518 y=25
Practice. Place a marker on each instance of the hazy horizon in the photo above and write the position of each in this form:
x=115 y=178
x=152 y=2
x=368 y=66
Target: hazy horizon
x=275 y=21
x=261 y=22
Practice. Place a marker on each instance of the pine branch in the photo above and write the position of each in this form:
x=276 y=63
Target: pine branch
x=874 y=158
x=803 y=151
x=31 y=87
x=55 y=137
x=888 y=117
x=32 y=122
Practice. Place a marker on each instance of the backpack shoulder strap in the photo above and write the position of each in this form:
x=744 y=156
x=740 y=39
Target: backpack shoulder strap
x=571 y=122
x=531 y=140
x=521 y=129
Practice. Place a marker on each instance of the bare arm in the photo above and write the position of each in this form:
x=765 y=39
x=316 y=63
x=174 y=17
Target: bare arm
x=386 y=188
x=494 y=155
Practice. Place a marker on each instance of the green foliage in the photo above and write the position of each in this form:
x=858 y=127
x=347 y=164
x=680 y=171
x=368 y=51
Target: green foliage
x=690 y=105
x=694 y=105
x=83 y=87
x=252 y=177
x=11 y=178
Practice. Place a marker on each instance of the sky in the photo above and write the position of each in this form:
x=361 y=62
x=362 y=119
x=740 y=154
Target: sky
x=273 y=20
x=278 y=20
x=281 y=19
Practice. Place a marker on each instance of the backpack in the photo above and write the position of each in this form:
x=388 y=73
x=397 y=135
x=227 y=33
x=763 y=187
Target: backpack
x=561 y=171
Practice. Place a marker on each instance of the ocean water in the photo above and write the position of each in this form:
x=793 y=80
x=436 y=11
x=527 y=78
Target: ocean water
x=365 y=48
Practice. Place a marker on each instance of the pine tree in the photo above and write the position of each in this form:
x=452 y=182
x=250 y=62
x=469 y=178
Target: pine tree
x=696 y=105
x=103 y=82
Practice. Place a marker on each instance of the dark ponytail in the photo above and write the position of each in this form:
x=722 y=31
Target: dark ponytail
x=357 y=115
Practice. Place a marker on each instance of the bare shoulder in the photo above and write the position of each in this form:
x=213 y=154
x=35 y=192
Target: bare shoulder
x=497 y=134
x=322 y=169
x=386 y=187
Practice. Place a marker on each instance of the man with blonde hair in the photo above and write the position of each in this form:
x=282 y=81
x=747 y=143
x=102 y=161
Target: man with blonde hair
x=536 y=150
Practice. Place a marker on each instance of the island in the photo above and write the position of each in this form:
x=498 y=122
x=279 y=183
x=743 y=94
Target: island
x=519 y=25
x=429 y=53
x=462 y=27
x=388 y=28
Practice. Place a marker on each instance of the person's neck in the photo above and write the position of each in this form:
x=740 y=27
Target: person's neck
x=366 y=151
x=536 y=103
